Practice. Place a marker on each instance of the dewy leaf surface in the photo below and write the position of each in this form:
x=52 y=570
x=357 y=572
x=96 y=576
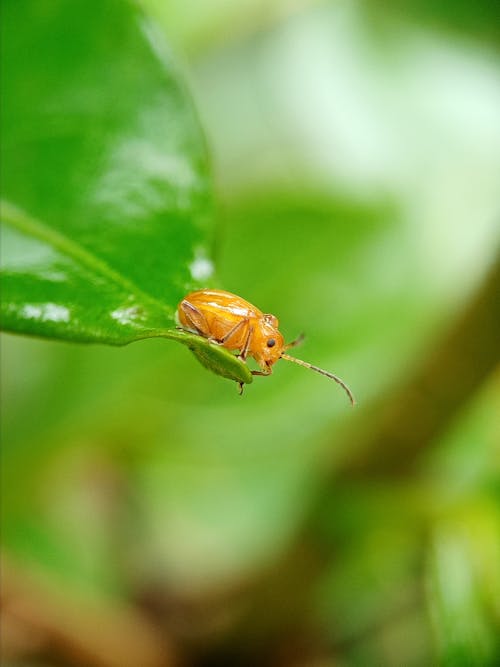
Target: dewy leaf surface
x=106 y=203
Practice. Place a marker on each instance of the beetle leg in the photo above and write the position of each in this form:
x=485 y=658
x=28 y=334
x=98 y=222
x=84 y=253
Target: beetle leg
x=240 y=387
x=195 y=318
x=244 y=351
x=230 y=333
x=261 y=372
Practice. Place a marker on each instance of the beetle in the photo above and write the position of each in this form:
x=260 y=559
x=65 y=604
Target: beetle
x=228 y=320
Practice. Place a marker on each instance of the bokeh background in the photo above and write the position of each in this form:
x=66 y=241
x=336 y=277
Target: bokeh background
x=154 y=517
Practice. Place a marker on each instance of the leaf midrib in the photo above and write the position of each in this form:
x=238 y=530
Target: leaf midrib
x=27 y=224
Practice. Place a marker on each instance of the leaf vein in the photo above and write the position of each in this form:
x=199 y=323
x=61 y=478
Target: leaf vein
x=19 y=219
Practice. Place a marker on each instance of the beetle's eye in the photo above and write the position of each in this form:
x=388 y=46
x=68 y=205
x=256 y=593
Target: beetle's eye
x=271 y=342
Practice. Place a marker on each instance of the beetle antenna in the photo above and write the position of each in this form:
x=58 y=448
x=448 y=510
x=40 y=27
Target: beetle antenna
x=298 y=341
x=306 y=364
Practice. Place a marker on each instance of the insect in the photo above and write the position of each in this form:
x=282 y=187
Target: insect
x=230 y=321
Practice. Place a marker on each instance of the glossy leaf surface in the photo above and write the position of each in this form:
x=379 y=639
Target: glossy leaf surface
x=105 y=177
x=106 y=205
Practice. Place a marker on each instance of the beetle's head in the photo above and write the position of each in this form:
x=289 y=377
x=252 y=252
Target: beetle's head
x=268 y=343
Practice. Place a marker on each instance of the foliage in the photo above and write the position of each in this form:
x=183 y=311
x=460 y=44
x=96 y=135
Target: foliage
x=108 y=205
x=356 y=166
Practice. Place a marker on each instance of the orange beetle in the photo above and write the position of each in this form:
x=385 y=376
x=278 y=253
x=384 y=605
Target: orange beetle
x=229 y=320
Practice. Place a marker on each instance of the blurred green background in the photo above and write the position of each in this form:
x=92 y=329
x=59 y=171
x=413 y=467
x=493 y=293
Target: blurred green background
x=151 y=515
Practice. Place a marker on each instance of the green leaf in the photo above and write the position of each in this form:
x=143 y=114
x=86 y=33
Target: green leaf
x=217 y=359
x=107 y=211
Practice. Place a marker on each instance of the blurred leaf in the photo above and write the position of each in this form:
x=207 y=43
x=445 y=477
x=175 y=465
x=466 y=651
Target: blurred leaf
x=464 y=634
x=474 y=19
x=464 y=578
